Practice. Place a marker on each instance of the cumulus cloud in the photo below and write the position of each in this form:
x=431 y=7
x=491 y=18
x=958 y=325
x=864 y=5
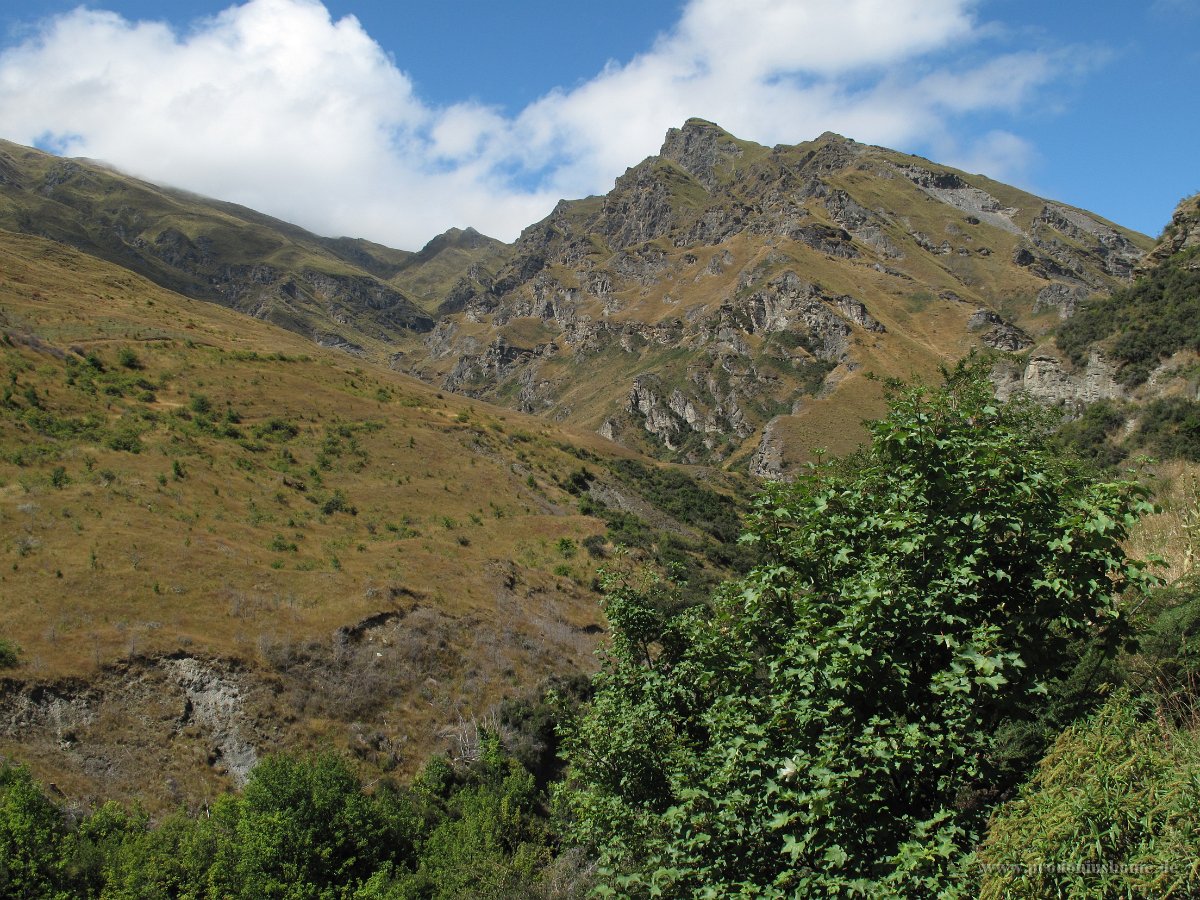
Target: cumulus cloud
x=276 y=105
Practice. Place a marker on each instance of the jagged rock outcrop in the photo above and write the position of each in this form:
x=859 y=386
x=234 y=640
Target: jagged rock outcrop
x=999 y=334
x=701 y=149
x=1181 y=234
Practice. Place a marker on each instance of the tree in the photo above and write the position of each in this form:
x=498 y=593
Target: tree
x=829 y=724
x=32 y=840
x=302 y=828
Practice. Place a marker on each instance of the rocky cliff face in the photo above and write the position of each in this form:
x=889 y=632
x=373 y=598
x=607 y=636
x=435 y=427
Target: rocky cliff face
x=1181 y=234
x=723 y=288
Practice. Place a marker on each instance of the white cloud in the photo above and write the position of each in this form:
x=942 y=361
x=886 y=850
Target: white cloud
x=274 y=104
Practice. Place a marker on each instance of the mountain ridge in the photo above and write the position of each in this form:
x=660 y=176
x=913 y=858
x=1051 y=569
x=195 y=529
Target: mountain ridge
x=719 y=305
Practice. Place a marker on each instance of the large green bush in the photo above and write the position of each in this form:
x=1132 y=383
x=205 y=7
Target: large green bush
x=830 y=725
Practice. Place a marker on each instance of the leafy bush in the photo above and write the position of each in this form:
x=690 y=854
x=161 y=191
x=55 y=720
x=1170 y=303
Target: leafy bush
x=277 y=429
x=830 y=725
x=33 y=853
x=303 y=827
x=1170 y=427
x=1091 y=435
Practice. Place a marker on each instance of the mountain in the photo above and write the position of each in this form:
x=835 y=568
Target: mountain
x=725 y=301
x=724 y=304
x=221 y=535
x=219 y=538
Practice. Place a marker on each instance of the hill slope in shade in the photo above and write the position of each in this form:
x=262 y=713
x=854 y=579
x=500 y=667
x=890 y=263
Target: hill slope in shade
x=340 y=292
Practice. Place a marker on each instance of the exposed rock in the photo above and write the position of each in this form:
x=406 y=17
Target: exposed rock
x=1061 y=296
x=767 y=461
x=1116 y=253
x=1001 y=335
x=116 y=724
x=1182 y=233
x=213 y=702
x=951 y=189
x=1046 y=378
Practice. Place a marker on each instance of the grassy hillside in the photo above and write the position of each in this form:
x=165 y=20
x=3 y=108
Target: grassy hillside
x=216 y=536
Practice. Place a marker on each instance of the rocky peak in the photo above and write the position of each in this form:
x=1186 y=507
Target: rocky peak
x=454 y=238
x=701 y=149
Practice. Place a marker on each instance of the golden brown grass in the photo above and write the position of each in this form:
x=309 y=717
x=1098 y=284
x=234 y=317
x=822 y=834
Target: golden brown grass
x=317 y=491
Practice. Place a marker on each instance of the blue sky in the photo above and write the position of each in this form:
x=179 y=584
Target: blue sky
x=394 y=121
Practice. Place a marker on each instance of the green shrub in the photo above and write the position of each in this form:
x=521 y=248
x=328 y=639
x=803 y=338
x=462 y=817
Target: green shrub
x=1170 y=427
x=1111 y=813
x=10 y=654
x=830 y=725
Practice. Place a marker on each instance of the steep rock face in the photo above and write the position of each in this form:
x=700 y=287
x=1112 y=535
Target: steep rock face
x=701 y=148
x=721 y=282
x=1047 y=378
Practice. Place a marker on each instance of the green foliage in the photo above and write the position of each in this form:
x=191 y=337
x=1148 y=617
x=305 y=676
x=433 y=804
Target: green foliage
x=301 y=828
x=1170 y=427
x=488 y=841
x=280 y=544
x=200 y=405
x=1166 y=658
x=10 y=654
x=277 y=429
x=33 y=861
x=1111 y=813
x=127 y=358
x=336 y=503
x=680 y=496
x=832 y=724
x=1091 y=436
x=127 y=439
x=1146 y=322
